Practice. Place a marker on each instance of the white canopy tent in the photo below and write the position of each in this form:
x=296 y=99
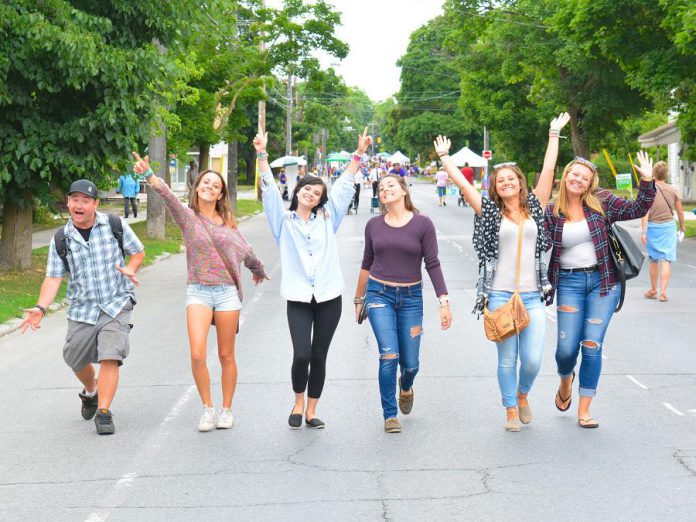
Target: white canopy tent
x=288 y=160
x=466 y=155
x=399 y=158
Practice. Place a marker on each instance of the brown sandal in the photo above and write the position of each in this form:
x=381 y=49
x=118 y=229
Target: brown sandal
x=568 y=399
x=588 y=422
x=650 y=294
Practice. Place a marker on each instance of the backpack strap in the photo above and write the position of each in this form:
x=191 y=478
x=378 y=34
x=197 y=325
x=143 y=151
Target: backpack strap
x=117 y=230
x=61 y=243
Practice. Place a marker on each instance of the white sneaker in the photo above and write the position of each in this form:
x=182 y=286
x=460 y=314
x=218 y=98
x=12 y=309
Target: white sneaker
x=225 y=419
x=206 y=422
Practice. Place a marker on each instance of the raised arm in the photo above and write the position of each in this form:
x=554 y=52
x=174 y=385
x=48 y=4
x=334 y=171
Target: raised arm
x=343 y=189
x=270 y=193
x=180 y=212
x=545 y=182
x=442 y=147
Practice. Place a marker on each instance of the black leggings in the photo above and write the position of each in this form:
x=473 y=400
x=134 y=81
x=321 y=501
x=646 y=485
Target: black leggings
x=310 y=351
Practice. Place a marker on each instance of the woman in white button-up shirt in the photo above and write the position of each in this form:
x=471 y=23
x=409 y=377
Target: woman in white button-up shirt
x=311 y=280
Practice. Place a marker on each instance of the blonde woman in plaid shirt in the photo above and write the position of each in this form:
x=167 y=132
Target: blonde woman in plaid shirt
x=101 y=295
x=583 y=274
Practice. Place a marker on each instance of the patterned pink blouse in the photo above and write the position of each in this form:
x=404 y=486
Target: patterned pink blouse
x=203 y=258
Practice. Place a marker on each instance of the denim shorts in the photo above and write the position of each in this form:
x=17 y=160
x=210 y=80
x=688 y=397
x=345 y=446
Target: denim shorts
x=221 y=298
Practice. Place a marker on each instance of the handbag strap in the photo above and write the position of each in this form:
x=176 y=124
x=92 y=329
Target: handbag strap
x=520 y=233
x=666 y=200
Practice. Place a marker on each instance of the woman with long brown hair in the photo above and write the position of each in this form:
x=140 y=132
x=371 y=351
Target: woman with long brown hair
x=215 y=250
x=509 y=211
x=583 y=274
x=390 y=286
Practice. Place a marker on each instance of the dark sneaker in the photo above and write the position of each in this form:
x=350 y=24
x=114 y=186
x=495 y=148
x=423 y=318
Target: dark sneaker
x=104 y=422
x=89 y=405
x=405 y=400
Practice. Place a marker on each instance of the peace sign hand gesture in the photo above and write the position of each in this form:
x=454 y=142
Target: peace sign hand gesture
x=260 y=140
x=141 y=165
x=364 y=142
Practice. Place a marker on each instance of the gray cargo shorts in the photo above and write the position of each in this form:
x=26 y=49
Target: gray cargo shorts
x=105 y=341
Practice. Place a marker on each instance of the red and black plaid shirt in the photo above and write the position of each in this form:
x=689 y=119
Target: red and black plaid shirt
x=616 y=209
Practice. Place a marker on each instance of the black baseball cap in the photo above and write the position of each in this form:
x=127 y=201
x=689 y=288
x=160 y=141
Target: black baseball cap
x=84 y=186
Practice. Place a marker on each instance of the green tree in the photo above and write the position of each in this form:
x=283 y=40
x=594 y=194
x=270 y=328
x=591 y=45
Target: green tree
x=79 y=83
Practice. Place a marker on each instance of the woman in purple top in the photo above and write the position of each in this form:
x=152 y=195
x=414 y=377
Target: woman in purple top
x=215 y=250
x=390 y=285
x=582 y=272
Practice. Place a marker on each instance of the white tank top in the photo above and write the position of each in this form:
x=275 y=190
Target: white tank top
x=504 y=277
x=578 y=247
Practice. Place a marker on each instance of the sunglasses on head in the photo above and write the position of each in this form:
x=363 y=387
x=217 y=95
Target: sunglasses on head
x=586 y=162
x=502 y=165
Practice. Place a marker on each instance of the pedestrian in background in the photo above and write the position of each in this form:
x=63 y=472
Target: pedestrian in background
x=191 y=175
x=101 y=293
x=215 y=251
x=390 y=286
x=128 y=187
x=441 y=181
x=311 y=281
x=500 y=219
x=659 y=234
x=583 y=273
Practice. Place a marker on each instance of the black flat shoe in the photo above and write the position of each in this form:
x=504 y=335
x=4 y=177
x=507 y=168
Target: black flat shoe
x=295 y=420
x=316 y=423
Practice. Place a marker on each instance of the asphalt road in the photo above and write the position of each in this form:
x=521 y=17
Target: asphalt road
x=453 y=459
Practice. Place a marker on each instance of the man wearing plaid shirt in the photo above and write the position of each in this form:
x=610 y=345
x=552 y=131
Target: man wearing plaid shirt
x=101 y=295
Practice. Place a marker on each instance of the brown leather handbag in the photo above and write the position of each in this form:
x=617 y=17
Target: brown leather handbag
x=511 y=318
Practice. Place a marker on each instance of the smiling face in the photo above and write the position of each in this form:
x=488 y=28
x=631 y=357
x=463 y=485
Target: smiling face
x=209 y=188
x=507 y=183
x=390 y=191
x=309 y=196
x=82 y=209
x=578 y=179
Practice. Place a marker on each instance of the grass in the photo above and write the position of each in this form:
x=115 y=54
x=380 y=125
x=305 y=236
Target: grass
x=690 y=229
x=20 y=290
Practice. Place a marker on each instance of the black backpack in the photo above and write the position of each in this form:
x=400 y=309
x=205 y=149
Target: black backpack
x=62 y=242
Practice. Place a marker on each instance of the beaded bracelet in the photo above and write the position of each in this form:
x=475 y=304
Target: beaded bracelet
x=356 y=157
x=262 y=155
x=149 y=173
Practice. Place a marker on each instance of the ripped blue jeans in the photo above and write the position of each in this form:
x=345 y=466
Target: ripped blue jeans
x=583 y=319
x=396 y=317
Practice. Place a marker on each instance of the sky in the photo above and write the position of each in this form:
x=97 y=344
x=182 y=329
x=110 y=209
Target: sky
x=377 y=32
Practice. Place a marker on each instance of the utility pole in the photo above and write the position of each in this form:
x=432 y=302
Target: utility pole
x=288 y=119
x=261 y=123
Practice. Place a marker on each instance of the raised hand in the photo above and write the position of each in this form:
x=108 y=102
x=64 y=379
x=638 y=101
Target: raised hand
x=364 y=142
x=558 y=123
x=442 y=145
x=130 y=274
x=260 y=141
x=142 y=165
x=33 y=319
x=645 y=165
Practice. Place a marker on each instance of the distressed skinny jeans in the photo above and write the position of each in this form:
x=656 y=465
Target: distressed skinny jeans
x=528 y=347
x=583 y=318
x=396 y=317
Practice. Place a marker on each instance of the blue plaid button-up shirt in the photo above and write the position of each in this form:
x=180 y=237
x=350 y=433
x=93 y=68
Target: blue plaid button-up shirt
x=94 y=284
x=616 y=209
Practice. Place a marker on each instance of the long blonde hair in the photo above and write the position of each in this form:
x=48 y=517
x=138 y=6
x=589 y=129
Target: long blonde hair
x=222 y=205
x=589 y=198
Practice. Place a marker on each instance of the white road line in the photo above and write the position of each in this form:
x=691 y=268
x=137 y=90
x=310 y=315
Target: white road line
x=114 y=499
x=691 y=266
x=693 y=411
x=630 y=377
x=672 y=409
x=550 y=315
